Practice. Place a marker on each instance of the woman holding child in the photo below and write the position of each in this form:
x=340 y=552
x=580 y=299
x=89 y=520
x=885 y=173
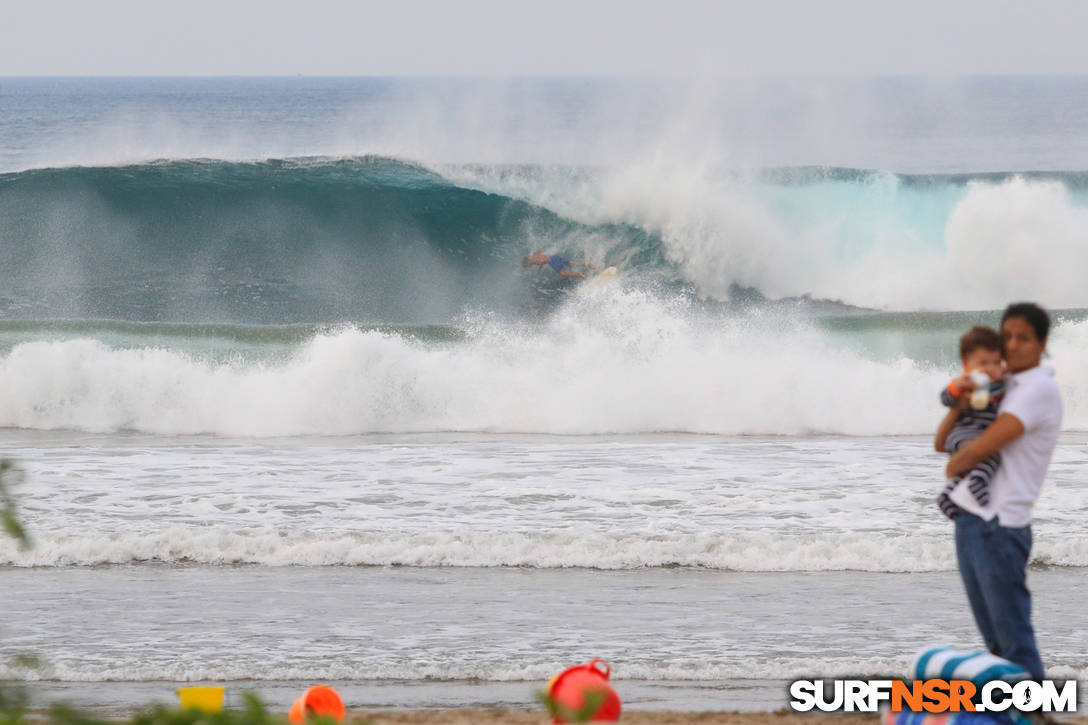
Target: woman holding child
x=993 y=530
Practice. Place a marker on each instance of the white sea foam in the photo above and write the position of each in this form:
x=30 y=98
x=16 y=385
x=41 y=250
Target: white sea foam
x=870 y=241
x=620 y=362
x=1018 y=240
x=752 y=552
x=734 y=552
x=772 y=668
x=785 y=668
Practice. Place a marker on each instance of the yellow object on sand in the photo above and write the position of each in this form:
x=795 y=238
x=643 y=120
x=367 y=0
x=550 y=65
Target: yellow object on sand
x=206 y=699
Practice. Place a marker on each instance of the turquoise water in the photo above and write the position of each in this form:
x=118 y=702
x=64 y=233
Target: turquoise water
x=377 y=240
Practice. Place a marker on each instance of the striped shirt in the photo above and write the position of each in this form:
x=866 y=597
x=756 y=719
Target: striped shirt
x=972 y=422
x=970 y=425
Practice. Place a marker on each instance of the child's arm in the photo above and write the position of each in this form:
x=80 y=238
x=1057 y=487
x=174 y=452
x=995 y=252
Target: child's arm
x=1006 y=428
x=949 y=422
x=956 y=397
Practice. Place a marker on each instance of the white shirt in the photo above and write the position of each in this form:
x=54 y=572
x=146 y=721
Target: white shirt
x=1033 y=397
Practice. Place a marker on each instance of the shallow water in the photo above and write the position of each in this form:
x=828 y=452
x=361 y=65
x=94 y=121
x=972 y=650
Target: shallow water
x=743 y=504
x=435 y=560
x=423 y=637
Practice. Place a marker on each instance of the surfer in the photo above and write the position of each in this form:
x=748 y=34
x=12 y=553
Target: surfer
x=993 y=541
x=563 y=266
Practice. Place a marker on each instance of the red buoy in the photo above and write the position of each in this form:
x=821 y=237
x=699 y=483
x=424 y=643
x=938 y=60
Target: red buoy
x=570 y=688
x=319 y=701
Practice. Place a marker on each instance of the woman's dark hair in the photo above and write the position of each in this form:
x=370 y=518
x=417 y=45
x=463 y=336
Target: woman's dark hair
x=1033 y=314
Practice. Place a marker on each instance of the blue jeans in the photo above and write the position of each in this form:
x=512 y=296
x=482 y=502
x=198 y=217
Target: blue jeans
x=993 y=562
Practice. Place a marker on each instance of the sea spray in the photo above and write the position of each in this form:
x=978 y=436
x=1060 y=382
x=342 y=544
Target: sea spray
x=867 y=238
x=621 y=362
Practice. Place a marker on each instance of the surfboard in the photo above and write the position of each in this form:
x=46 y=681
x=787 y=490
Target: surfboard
x=602 y=278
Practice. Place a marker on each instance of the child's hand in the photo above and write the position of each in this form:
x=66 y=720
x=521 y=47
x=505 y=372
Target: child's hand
x=965 y=385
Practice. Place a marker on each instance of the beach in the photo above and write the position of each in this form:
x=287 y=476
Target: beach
x=469 y=716
x=465 y=717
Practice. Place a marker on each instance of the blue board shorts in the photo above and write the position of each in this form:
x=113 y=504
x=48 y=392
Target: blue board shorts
x=558 y=263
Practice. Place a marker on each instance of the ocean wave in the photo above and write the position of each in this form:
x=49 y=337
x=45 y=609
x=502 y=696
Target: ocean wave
x=785 y=668
x=389 y=240
x=278 y=241
x=750 y=552
x=619 y=361
x=864 y=237
x=241 y=669
x=615 y=362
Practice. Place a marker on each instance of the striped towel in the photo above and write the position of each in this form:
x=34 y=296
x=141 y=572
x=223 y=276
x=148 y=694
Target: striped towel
x=978 y=667
x=947 y=663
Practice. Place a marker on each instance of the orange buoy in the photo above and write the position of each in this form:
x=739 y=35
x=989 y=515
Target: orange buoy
x=570 y=688
x=319 y=701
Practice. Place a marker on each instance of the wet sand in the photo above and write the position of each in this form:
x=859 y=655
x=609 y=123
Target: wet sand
x=537 y=717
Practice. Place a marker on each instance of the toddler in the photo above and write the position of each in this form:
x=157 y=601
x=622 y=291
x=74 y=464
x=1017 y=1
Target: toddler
x=980 y=352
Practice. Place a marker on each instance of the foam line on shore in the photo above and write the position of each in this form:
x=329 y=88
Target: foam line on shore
x=753 y=552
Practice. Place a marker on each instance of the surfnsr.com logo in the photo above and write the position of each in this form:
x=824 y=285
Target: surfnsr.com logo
x=933 y=696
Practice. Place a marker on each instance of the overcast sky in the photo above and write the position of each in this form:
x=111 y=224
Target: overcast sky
x=541 y=37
